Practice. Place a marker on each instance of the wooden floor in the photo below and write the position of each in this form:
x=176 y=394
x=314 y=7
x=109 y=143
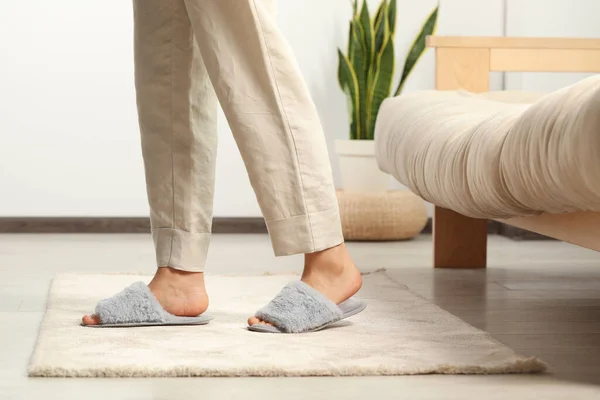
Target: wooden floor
x=541 y=298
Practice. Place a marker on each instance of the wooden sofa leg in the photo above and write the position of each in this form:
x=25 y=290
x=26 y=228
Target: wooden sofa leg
x=458 y=241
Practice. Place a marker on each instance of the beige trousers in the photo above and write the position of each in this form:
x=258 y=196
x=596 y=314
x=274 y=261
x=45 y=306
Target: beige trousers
x=186 y=51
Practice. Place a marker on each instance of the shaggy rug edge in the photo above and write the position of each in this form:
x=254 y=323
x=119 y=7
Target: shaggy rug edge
x=523 y=365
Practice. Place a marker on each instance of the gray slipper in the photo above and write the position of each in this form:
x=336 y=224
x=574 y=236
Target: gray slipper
x=299 y=308
x=136 y=306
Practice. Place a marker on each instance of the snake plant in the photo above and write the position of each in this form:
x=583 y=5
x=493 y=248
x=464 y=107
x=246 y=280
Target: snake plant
x=366 y=72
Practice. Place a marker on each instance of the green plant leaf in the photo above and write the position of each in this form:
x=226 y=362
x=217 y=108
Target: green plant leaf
x=380 y=29
x=361 y=71
x=354 y=7
x=368 y=33
x=392 y=16
x=379 y=13
x=418 y=48
x=349 y=84
x=381 y=85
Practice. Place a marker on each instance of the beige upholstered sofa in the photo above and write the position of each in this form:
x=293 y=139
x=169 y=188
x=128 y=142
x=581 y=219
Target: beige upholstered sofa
x=531 y=160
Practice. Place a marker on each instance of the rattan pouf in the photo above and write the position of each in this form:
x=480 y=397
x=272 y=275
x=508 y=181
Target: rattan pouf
x=393 y=215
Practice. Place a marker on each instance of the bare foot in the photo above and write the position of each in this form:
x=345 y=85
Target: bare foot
x=180 y=293
x=331 y=272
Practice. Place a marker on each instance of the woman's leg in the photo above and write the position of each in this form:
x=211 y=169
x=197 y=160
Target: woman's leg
x=278 y=132
x=177 y=111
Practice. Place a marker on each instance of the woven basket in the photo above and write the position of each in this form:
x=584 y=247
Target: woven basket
x=393 y=215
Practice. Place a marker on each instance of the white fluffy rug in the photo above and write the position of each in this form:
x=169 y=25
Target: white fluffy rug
x=399 y=333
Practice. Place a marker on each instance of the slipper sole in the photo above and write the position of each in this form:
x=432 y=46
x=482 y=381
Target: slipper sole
x=191 y=321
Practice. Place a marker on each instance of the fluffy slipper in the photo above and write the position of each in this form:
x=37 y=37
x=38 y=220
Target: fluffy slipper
x=300 y=308
x=136 y=306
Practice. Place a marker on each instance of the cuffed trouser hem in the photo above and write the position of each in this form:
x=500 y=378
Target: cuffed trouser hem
x=181 y=250
x=306 y=233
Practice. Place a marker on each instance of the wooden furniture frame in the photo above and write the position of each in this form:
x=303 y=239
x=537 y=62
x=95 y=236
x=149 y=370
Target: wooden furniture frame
x=466 y=63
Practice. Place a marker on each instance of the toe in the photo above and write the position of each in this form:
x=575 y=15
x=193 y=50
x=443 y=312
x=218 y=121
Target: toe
x=90 y=320
x=254 y=321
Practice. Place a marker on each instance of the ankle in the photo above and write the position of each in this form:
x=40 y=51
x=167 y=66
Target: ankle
x=333 y=273
x=335 y=260
x=178 y=277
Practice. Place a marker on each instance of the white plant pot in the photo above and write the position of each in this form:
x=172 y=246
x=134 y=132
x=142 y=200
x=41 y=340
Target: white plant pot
x=358 y=166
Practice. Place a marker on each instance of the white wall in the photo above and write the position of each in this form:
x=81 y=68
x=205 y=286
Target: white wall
x=69 y=144
x=69 y=141
x=552 y=18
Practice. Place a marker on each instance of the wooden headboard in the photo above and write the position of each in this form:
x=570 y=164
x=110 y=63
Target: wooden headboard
x=466 y=62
